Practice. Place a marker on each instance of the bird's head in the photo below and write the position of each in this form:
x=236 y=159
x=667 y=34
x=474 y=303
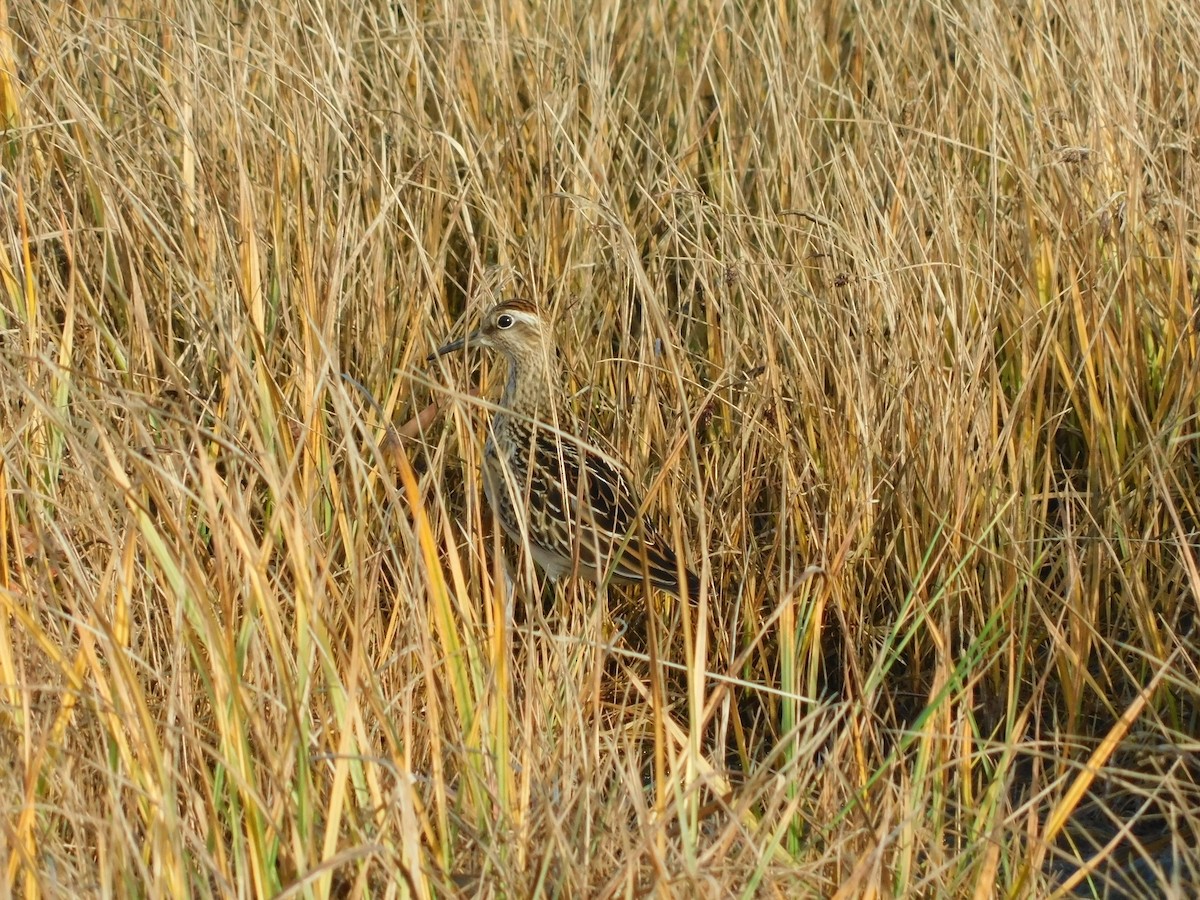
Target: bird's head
x=514 y=328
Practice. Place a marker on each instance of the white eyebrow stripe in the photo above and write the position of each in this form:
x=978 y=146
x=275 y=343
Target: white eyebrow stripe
x=519 y=316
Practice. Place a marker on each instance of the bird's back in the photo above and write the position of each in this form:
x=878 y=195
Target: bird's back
x=576 y=507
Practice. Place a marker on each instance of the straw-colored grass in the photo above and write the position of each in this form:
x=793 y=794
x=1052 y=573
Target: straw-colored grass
x=892 y=307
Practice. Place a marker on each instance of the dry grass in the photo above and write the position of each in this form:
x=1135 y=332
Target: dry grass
x=908 y=293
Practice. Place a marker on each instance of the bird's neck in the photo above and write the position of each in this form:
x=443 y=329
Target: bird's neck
x=532 y=387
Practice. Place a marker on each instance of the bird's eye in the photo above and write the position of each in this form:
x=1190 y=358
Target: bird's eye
x=504 y=321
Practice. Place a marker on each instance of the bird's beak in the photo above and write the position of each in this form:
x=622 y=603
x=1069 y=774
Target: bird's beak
x=453 y=346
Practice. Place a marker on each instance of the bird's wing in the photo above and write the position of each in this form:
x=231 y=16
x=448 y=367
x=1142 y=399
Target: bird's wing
x=604 y=510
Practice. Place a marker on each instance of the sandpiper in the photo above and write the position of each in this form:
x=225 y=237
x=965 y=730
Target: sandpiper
x=571 y=505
